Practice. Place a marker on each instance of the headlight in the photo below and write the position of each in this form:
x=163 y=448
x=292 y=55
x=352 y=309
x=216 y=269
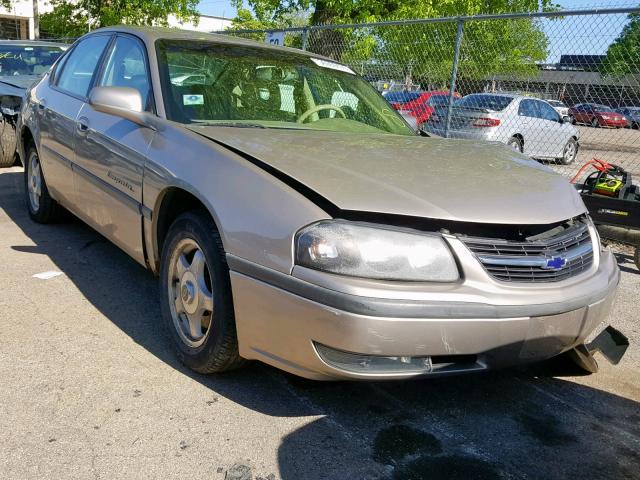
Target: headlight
x=370 y=251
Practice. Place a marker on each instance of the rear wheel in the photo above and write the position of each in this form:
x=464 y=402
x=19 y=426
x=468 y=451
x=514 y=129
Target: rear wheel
x=569 y=152
x=197 y=305
x=8 y=141
x=515 y=144
x=42 y=208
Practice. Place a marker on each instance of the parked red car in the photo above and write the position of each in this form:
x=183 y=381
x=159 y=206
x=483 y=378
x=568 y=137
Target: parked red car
x=597 y=116
x=422 y=107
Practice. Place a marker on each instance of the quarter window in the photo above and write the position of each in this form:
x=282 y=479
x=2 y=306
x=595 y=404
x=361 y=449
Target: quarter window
x=81 y=64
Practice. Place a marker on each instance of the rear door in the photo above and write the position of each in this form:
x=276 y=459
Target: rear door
x=58 y=109
x=111 y=151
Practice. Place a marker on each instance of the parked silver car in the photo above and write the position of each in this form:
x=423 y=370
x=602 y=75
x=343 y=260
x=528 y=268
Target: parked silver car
x=293 y=217
x=526 y=124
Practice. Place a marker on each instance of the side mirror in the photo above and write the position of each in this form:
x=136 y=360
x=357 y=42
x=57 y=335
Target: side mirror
x=124 y=102
x=565 y=118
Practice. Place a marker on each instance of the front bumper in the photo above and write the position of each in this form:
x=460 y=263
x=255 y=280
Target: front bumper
x=281 y=320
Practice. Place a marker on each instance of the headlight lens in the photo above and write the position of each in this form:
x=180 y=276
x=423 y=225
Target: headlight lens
x=368 y=251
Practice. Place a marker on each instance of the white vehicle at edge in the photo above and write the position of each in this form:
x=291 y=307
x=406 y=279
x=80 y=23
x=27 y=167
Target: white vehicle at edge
x=526 y=124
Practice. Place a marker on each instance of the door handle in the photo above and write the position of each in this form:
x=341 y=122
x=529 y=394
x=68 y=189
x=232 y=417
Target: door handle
x=82 y=125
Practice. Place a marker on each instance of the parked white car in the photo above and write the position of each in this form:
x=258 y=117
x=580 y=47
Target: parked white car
x=526 y=124
x=559 y=107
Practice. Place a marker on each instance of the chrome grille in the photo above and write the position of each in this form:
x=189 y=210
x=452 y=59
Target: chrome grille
x=552 y=259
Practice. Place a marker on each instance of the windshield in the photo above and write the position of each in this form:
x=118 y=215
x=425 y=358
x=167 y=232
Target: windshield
x=602 y=108
x=401 y=97
x=218 y=84
x=28 y=59
x=485 y=102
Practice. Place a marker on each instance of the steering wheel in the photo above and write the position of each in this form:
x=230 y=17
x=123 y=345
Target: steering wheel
x=317 y=108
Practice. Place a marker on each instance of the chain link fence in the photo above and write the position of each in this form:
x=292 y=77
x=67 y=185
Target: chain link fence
x=563 y=87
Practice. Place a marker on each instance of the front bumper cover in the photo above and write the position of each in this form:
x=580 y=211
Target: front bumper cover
x=280 y=318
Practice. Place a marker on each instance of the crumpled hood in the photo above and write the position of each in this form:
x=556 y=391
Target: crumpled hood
x=436 y=178
x=16 y=85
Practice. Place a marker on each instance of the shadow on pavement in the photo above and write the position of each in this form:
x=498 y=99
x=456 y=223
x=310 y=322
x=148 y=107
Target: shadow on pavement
x=523 y=423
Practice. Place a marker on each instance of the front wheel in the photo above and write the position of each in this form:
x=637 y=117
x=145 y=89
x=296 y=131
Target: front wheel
x=197 y=305
x=515 y=144
x=569 y=152
x=595 y=123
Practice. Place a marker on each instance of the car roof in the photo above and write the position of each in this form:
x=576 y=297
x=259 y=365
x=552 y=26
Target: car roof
x=36 y=43
x=151 y=34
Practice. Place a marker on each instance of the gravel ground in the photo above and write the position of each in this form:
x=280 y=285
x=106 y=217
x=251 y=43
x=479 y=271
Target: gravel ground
x=90 y=389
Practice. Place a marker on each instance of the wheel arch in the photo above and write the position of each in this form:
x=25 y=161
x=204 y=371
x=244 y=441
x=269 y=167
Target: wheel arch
x=170 y=203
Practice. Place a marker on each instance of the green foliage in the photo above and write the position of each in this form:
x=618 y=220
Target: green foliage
x=245 y=20
x=71 y=18
x=423 y=52
x=623 y=55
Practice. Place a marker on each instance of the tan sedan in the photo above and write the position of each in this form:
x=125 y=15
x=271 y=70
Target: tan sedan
x=293 y=217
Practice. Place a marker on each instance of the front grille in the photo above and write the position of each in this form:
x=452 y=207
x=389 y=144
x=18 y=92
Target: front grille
x=567 y=252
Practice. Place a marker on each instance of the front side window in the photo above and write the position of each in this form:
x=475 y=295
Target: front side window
x=211 y=83
x=79 y=67
x=547 y=112
x=528 y=108
x=28 y=59
x=127 y=67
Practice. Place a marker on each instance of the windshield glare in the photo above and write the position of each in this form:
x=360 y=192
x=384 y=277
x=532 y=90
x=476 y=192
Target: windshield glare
x=214 y=83
x=27 y=59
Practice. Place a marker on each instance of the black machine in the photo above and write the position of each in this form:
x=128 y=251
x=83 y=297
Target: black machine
x=612 y=200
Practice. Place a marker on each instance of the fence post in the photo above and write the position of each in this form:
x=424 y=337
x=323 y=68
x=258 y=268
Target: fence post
x=454 y=76
x=305 y=38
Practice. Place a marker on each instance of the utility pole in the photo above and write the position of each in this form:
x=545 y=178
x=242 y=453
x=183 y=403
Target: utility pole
x=36 y=21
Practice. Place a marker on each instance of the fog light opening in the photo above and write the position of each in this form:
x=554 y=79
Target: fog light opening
x=378 y=364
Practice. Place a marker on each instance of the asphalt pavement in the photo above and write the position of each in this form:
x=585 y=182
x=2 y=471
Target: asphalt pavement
x=89 y=388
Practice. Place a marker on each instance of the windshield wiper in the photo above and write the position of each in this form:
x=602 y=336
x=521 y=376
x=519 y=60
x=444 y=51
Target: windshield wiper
x=229 y=124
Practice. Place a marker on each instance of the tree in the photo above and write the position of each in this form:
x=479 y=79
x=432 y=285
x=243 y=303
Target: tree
x=72 y=18
x=421 y=51
x=623 y=55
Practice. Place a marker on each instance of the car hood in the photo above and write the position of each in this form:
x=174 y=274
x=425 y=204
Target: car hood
x=436 y=178
x=16 y=85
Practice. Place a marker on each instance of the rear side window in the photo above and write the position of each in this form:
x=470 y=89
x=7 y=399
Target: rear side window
x=79 y=67
x=485 y=102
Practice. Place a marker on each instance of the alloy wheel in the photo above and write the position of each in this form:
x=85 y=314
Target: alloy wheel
x=190 y=293
x=34 y=181
x=569 y=152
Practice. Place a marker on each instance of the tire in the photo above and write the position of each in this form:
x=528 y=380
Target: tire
x=8 y=140
x=572 y=119
x=569 y=152
x=636 y=257
x=515 y=144
x=196 y=300
x=595 y=123
x=42 y=208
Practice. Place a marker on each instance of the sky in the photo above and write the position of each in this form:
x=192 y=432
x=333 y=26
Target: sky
x=571 y=35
